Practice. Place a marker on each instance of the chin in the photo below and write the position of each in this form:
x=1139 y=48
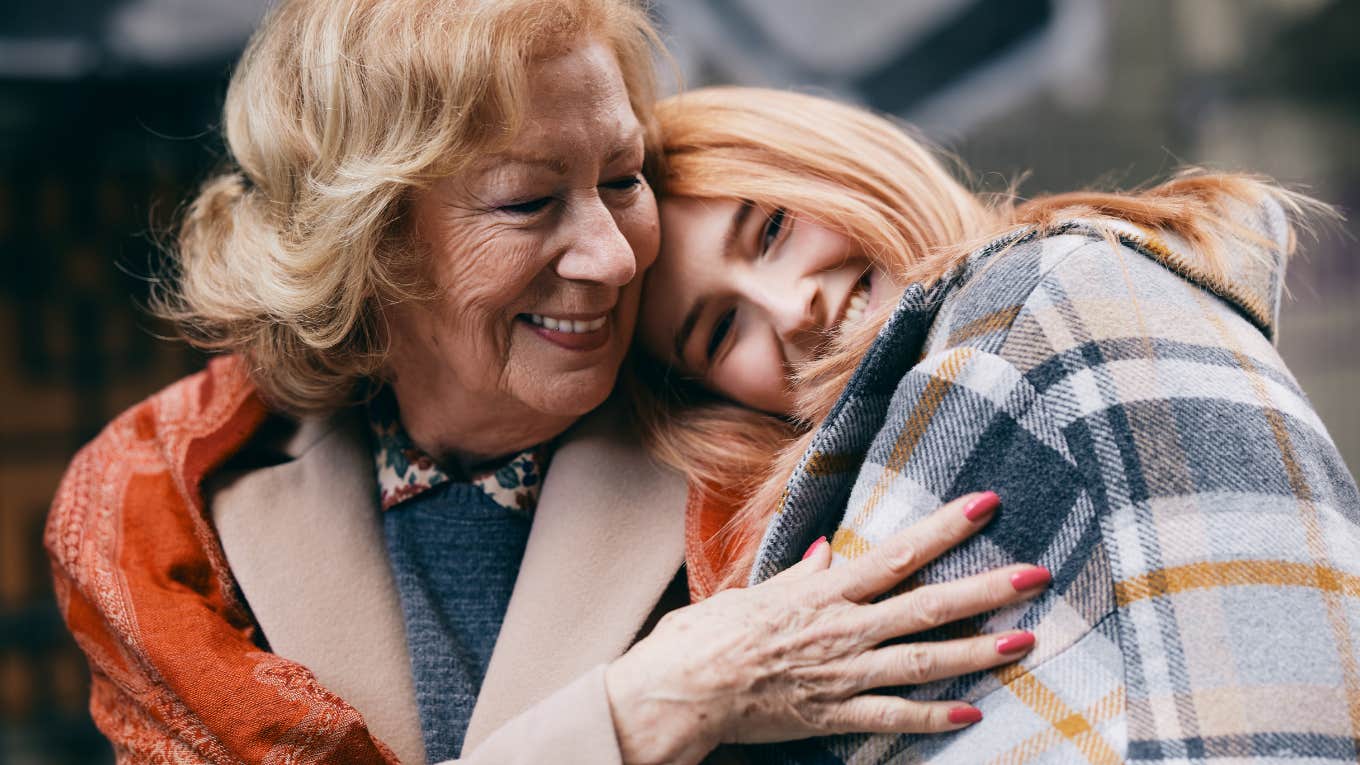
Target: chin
x=564 y=383
x=572 y=393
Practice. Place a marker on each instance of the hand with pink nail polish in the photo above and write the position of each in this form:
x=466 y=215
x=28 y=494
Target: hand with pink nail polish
x=801 y=654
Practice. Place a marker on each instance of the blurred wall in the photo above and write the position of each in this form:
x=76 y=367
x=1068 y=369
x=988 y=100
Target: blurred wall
x=108 y=118
x=1266 y=86
x=1111 y=94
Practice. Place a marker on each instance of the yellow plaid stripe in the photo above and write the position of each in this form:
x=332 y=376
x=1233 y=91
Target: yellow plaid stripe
x=847 y=544
x=1111 y=705
x=992 y=322
x=822 y=464
x=914 y=429
x=1066 y=723
x=1198 y=576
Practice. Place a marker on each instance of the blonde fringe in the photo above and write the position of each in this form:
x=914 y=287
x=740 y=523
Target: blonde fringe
x=869 y=179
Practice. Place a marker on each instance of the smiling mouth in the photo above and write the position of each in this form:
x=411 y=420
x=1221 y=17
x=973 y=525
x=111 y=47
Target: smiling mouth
x=856 y=305
x=584 y=333
x=566 y=326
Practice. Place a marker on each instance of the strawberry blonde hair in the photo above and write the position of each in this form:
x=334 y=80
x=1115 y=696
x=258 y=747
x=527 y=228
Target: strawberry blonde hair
x=874 y=182
x=337 y=111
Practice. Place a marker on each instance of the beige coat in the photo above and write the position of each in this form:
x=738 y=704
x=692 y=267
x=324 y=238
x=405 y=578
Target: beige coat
x=304 y=540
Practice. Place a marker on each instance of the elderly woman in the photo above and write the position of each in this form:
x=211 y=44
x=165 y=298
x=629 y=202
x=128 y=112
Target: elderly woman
x=320 y=549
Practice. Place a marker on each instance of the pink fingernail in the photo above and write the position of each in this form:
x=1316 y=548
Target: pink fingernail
x=965 y=715
x=1030 y=578
x=981 y=506
x=813 y=547
x=1022 y=641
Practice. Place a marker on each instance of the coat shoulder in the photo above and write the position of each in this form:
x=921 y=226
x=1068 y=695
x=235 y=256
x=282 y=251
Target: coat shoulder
x=168 y=441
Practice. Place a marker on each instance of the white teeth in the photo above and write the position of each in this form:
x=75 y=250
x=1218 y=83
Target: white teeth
x=855 y=306
x=568 y=326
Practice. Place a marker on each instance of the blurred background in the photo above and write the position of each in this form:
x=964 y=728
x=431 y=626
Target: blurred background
x=109 y=118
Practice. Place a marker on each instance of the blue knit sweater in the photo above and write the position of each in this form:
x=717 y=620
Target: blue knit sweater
x=455 y=553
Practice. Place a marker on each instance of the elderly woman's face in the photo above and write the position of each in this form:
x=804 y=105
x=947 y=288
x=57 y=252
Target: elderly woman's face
x=536 y=254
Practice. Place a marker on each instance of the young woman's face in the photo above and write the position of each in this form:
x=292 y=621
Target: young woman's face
x=740 y=294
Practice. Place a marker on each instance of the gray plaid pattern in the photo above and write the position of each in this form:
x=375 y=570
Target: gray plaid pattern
x=1152 y=450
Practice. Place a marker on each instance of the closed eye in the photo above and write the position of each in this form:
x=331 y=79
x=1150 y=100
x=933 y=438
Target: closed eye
x=526 y=208
x=625 y=183
x=721 y=328
x=773 y=226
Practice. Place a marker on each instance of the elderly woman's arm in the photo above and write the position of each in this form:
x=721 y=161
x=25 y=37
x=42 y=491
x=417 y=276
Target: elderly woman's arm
x=790 y=658
x=570 y=726
x=799 y=654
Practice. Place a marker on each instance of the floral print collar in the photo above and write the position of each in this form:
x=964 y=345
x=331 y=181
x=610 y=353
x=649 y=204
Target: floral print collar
x=404 y=471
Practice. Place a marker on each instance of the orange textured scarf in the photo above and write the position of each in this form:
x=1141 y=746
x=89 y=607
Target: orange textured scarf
x=179 y=670
x=709 y=554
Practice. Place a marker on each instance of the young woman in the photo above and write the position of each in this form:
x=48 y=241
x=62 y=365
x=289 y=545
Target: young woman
x=838 y=335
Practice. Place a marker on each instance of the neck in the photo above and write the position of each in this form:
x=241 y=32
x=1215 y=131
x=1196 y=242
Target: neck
x=464 y=434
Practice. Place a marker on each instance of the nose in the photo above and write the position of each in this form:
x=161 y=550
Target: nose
x=793 y=311
x=597 y=251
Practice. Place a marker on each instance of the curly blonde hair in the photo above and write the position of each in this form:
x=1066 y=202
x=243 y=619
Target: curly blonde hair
x=337 y=110
x=871 y=180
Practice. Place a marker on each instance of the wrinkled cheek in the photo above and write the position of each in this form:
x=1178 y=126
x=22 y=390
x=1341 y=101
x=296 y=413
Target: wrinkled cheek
x=482 y=336
x=469 y=334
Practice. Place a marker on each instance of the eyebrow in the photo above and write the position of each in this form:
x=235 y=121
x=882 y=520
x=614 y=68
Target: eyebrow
x=559 y=166
x=630 y=143
x=695 y=311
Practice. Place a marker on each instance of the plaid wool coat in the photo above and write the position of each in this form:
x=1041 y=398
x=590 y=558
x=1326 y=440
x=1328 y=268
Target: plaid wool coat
x=1152 y=450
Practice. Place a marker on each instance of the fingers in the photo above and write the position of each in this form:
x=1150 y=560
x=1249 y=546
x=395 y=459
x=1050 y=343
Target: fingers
x=938 y=604
x=817 y=558
x=890 y=714
x=887 y=564
x=916 y=663
x=818 y=555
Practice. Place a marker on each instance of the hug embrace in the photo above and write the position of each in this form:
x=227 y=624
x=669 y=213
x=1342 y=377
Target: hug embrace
x=555 y=424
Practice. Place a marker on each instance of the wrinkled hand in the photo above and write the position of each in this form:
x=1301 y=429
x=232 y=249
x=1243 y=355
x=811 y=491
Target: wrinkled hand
x=797 y=655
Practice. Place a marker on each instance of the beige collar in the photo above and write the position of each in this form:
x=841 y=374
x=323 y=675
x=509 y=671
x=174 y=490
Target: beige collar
x=608 y=537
